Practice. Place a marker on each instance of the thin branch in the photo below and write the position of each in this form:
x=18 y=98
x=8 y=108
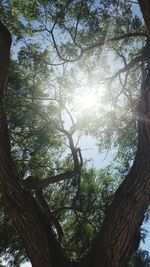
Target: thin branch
x=130 y=65
x=60 y=96
x=83 y=50
x=58 y=15
x=119 y=53
x=133 y=2
x=77 y=213
x=78 y=19
x=60 y=209
x=71 y=118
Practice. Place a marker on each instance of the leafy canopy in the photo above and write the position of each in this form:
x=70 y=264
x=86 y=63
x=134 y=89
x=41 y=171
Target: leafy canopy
x=75 y=70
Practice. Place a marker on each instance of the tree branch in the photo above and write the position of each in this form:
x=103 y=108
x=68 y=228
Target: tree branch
x=83 y=50
x=5 y=44
x=127 y=67
x=145 y=8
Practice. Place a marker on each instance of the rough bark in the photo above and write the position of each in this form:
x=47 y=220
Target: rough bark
x=145 y=9
x=120 y=234
x=33 y=226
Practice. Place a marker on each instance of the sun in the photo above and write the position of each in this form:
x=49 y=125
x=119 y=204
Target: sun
x=85 y=101
x=88 y=101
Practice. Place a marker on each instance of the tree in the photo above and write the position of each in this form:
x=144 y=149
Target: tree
x=119 y=234
x=140 y=259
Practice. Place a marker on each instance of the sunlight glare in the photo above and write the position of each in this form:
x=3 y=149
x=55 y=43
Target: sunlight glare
x=85 y=101
x=90 y=99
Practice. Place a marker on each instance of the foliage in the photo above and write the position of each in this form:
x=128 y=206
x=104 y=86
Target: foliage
x=61 y=50
x=140 y=259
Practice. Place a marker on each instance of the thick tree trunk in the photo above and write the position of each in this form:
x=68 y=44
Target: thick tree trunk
x=35 y=230
x=120 y=234
x=145 y=9
x=33 y=226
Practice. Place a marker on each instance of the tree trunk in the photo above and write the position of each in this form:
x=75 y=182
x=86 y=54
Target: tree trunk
x=33 y=226
x=35 y=230
x=145 y=9
x=120 y=234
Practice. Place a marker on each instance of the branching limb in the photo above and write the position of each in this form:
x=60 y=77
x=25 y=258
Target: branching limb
x=126 y=68
x=83 y=50
x=32 y=183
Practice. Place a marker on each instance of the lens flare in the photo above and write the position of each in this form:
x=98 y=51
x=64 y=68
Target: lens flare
x=85 y=101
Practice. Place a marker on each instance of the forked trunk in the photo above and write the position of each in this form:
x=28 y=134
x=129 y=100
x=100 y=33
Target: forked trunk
x=119 y=236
